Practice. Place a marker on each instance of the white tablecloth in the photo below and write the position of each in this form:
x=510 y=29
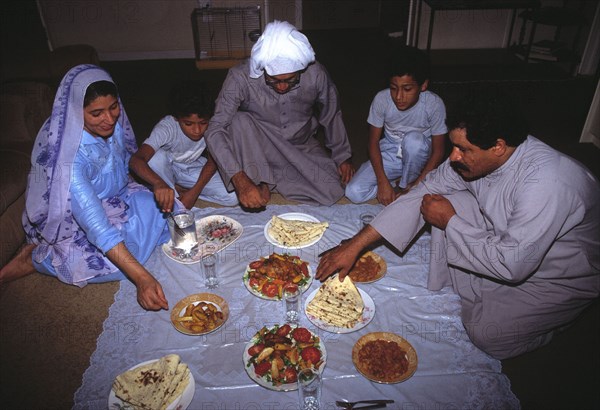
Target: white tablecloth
x=452 y=373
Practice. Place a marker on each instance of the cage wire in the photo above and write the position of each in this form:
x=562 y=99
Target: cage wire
x=225 y=33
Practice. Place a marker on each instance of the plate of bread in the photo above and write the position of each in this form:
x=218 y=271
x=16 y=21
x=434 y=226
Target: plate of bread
x=294 y=230
x=339 y=306
x=165 y=383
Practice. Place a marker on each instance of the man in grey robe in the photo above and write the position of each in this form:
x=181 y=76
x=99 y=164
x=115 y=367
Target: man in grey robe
x=515 y=231
x=270 y=107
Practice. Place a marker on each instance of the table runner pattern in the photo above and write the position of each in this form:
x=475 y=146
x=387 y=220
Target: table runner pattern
x=452 y=373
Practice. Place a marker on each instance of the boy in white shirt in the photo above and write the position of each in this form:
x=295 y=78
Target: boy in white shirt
x=406 y=132
x=171 y=159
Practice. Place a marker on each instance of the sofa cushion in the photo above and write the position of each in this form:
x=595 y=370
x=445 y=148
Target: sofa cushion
x=13 y=234
x=14 y=169
x=25 y=107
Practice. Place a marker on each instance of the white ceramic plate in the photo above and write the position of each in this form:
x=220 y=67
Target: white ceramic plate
x=246 y=279
x=180 y=403
x=367 y=316
x=215 y=233
x=262 y=381
x=297 y=216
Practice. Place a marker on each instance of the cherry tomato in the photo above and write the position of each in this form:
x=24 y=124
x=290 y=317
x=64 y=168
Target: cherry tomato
x=301 y=335
x=290 y=374
x=284 y=330
x=256 y=264
x=262 y=368
x=311 y=354
x=304 y=269
x=254 y=282
x=270 y=289
x=290 y=287
x=256 y=349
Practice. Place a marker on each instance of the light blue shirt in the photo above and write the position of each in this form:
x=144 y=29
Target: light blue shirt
x=100 y=171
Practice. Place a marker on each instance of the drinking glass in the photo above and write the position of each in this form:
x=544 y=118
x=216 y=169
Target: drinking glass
x=366 y=218
x=292 y=303
x=182 y=227
x=309 y=389
x=209 y=267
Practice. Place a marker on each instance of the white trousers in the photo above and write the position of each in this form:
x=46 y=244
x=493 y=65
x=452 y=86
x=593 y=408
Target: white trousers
x=187 y=175
x=416 y=150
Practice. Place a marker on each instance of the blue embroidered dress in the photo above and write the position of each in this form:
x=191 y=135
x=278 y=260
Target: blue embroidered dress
x=81 y=201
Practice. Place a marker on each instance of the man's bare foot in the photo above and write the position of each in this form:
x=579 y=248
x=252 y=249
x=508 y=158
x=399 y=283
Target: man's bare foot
x=21 y=265
x=265 y=192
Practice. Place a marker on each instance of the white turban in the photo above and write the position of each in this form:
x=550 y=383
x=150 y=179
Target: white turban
x=281 y=49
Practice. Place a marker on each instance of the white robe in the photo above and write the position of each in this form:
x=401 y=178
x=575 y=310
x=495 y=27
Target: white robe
x=522 y=251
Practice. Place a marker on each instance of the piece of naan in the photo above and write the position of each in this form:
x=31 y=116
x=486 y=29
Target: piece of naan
x=337 y=303
x=154 y=385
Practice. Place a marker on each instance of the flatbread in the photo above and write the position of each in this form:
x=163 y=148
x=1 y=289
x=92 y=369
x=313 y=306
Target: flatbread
x=294 y=232
x=154 y=385
x=337 y=303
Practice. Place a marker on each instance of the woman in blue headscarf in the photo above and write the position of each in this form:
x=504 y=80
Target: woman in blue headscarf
x=86 y=220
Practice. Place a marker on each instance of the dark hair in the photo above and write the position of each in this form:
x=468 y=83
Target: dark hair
x=407 y=60
x=487 y=117
x=99 y=89
x=190 y=97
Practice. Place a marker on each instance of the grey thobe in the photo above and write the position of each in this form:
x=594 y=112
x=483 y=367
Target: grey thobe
x=271 y=136
x=522 y=251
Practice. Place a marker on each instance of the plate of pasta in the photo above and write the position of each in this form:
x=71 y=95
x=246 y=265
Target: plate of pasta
x=294 y=230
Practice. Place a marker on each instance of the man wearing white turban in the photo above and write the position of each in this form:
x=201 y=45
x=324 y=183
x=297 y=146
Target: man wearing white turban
x=268 y=112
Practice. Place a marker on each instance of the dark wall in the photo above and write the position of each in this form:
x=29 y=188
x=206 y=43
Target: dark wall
x=21 y=28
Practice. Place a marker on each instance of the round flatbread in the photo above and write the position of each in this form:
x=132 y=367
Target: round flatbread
x=155 y=384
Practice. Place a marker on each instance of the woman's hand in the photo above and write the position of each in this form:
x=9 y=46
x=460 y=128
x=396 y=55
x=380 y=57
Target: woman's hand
x=150 y=294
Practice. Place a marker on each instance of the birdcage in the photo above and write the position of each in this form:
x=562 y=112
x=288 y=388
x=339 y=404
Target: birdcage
x=224 y=36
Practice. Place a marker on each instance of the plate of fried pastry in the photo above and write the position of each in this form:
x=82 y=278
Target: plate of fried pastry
x=384 y=357
x=199 y=314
